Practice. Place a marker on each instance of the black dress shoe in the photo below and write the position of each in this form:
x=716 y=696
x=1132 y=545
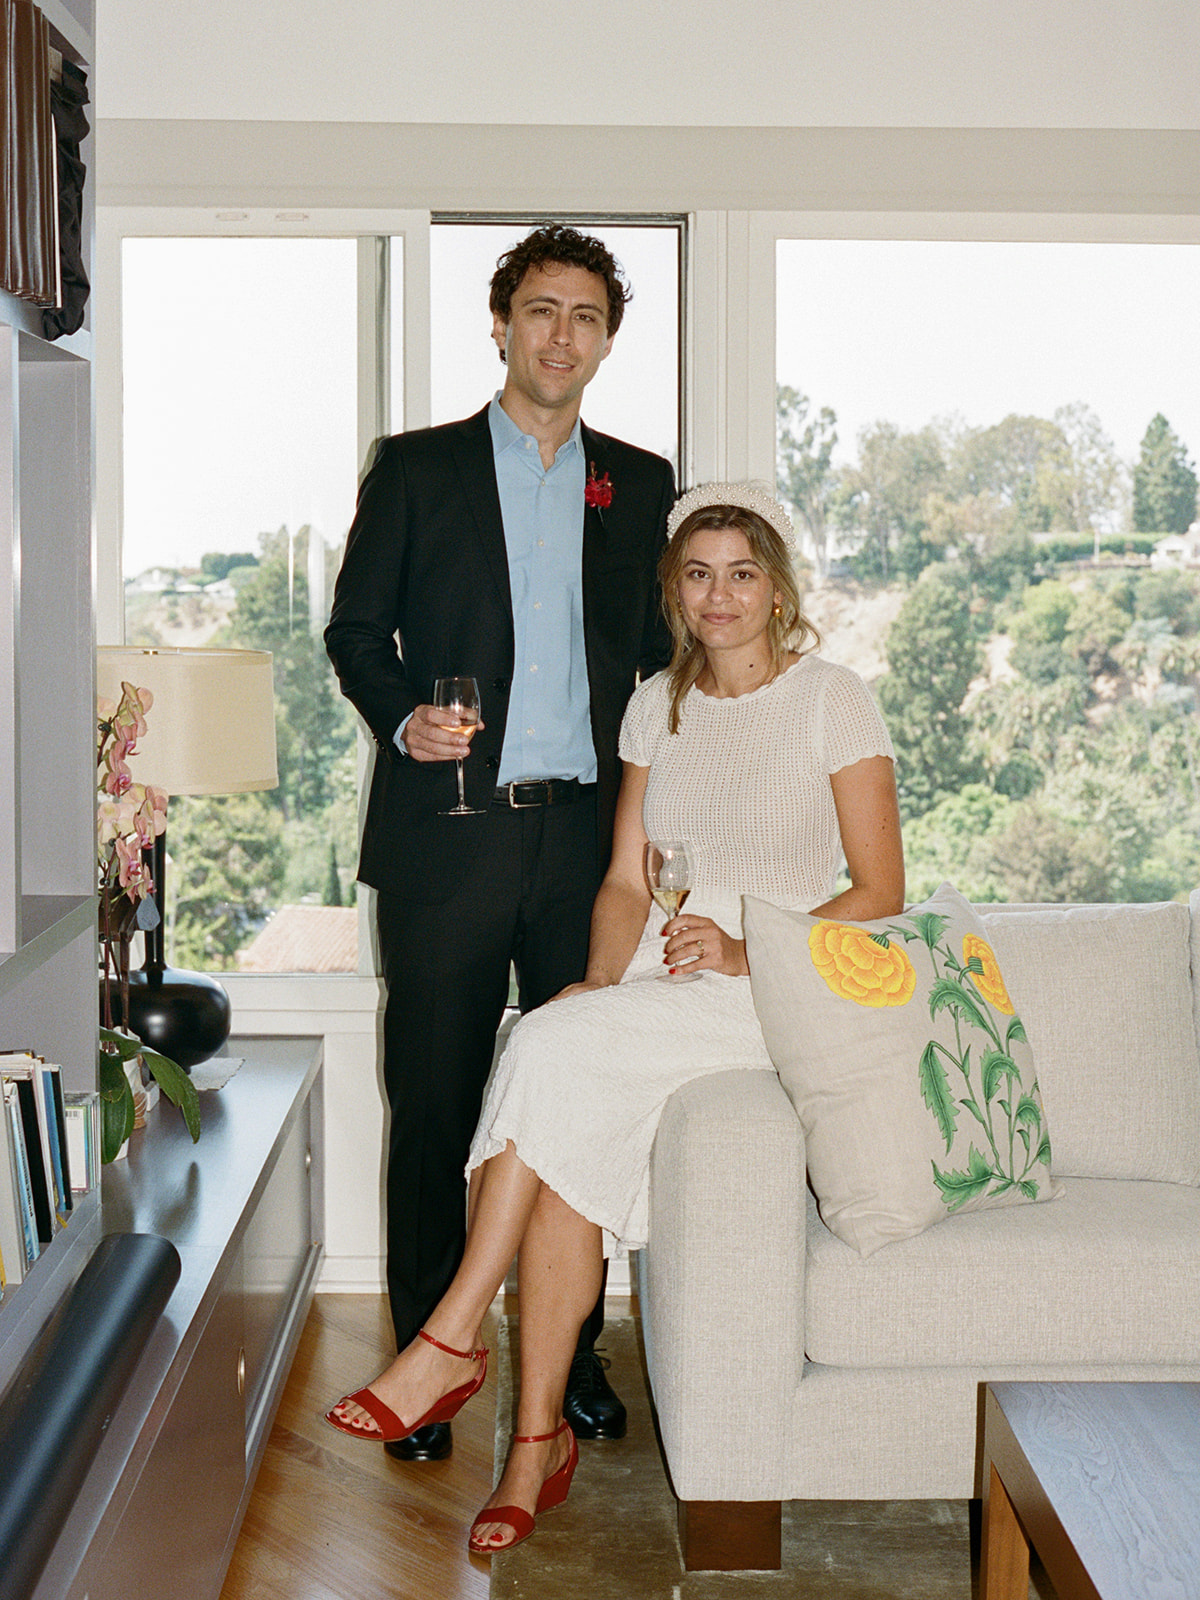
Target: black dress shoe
x=591 y=1406
x=431 y=1443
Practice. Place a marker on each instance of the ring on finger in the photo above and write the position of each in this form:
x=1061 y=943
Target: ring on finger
x=701 y=942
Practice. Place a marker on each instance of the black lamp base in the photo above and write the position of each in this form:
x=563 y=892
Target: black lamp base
x=185 y=1016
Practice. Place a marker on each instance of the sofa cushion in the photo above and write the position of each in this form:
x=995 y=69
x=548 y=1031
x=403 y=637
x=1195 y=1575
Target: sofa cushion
x=908 y=1068
x=1106 y=995
x=1109 y=1273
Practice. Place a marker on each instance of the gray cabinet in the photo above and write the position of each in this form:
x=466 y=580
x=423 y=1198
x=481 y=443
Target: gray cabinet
x=160 y=1510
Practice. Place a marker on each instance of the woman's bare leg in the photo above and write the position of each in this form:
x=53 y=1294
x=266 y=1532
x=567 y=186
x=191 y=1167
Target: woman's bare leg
x=558 y=1279
x=504 y=1192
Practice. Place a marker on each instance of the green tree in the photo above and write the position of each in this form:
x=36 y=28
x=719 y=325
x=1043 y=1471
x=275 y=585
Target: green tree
x=217 y=564
x=803 y=472
x=952 y=841
x=882 y=501
x=932 y=657
x=1007 y=463
x=333 y=882
x=1164 y=482
x=227 y=870
x=314 y=725
x=1083 y=482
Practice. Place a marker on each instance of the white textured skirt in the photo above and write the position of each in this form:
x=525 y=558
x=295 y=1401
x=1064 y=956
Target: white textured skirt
x=582 y=1083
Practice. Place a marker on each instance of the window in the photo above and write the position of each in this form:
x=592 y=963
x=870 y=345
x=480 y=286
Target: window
x=240 y=462
x=991 y=450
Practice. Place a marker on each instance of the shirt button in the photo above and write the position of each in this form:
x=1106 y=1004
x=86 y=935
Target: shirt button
x=529 y=731
x=529 y=444
x=541 y=544
x=533 y=668
x=537 y=605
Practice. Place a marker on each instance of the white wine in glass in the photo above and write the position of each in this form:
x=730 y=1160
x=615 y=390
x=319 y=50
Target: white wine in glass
x=460 y=697
x=669 y=877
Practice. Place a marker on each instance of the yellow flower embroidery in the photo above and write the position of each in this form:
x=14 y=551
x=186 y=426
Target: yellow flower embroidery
x=989 y=982
x=857 y=968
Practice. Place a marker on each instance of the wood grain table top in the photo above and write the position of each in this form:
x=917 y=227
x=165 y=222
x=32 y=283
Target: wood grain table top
x=1104 y=1477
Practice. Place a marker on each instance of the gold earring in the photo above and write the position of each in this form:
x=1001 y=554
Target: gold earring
x=778 y=609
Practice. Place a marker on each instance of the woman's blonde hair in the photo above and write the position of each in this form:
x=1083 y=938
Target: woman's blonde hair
x=787 y=629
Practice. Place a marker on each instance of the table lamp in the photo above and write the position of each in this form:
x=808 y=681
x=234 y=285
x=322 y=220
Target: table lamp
x=211 y=730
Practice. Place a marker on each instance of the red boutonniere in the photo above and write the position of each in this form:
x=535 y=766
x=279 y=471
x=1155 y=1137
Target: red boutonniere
x=597 y=491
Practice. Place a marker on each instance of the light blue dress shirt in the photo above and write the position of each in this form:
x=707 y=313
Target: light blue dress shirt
x=549 y=731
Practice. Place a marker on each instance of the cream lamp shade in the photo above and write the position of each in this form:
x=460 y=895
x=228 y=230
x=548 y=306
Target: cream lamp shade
x=211 y=729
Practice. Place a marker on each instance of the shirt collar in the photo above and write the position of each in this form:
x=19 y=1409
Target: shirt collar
x=507 y=436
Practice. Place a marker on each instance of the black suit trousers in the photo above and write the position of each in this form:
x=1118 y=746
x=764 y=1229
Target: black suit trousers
x=446 y=967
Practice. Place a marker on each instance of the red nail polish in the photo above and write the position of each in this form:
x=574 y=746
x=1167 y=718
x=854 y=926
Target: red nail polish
x=671 y=969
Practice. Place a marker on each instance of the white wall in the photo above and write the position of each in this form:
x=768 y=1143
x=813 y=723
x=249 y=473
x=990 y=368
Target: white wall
x=766 y=63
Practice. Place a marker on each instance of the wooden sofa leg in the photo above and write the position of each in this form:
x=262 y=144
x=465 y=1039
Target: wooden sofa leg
x=730 y=1535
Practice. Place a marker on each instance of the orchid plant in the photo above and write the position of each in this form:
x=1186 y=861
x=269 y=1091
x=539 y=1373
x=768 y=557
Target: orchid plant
x=129 y=817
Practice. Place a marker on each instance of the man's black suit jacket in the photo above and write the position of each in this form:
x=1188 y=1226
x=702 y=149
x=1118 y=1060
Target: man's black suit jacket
x=426 y=560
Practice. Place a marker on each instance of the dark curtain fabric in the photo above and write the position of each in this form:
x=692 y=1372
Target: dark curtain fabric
x=68 y=99
x=30 y=211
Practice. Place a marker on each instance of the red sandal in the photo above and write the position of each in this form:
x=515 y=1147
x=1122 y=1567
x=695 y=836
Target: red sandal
x=388 y=1426
x=553 y=1492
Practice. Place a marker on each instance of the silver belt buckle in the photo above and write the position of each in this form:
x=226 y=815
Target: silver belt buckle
x=521 y=805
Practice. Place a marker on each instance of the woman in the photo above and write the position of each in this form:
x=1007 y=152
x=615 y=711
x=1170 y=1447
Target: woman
x=771 y=764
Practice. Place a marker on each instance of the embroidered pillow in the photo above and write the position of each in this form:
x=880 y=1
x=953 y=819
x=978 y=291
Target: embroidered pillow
x=907 y=1064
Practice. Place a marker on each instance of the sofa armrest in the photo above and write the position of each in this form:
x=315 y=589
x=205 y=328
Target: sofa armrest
x=722 y=1279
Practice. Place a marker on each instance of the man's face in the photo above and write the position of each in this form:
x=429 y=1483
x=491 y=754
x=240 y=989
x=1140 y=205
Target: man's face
x=556 y=337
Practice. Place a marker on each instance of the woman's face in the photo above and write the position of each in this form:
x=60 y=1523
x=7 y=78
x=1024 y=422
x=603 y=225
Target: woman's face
x=726 y=597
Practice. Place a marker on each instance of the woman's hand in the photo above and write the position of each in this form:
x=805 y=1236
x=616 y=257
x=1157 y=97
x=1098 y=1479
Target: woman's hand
x=698 y=944
x=576 y=988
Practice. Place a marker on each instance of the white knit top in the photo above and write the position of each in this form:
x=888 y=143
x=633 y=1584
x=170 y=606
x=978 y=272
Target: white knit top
x=745 y=781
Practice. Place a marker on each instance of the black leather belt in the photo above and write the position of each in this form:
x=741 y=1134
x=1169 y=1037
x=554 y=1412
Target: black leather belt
x=538 y=792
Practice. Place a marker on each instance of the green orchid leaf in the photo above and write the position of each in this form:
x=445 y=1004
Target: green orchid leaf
x=950 y=994
x=997 y=1067
x=178 y=1088
x=930 y=926
x=935 y=1091
x=126 y=1045
x=959 y=1187
x=116 y=1102
x=1015 y=1033
x=1029 y=1113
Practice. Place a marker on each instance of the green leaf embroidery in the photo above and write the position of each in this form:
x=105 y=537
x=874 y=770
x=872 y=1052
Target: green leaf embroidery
x=1043 y=1154
x=882 y=940
x=975 y=964
x=959 y=1187
x=1029 y=1113
x=935 y=1091
x=1015 y=1034
x=948 y=994
x=1028 y=1188
x=930 y=926
x=996 y=1067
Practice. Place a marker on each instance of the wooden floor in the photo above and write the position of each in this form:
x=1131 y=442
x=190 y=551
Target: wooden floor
x=333 y=1518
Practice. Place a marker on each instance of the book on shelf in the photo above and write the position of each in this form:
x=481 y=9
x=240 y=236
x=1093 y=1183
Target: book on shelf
x=81 y=1114
x=14 y=1245
x=14 y=1140
x=38 y=1088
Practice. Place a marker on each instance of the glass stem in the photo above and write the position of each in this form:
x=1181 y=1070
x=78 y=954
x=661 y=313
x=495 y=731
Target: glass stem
x=462 y=799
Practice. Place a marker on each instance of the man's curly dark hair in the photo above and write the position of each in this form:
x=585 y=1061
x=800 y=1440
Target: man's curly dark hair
x=557 y=243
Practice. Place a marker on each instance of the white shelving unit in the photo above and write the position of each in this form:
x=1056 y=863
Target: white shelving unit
x=47 y=873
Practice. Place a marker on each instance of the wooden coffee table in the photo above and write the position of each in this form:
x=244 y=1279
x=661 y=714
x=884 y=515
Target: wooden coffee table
x=1102 y=1480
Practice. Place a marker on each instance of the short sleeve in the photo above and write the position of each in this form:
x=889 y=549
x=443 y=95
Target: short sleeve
x=644 y=722
x=852 y=726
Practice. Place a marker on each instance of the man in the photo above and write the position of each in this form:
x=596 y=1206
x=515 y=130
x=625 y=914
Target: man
x=517 y=547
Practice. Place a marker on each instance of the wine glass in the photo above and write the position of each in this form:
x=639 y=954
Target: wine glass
x=460 y=696
x=669 y=876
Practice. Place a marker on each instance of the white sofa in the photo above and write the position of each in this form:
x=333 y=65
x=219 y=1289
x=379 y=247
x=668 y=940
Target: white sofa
x=784 y=1366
